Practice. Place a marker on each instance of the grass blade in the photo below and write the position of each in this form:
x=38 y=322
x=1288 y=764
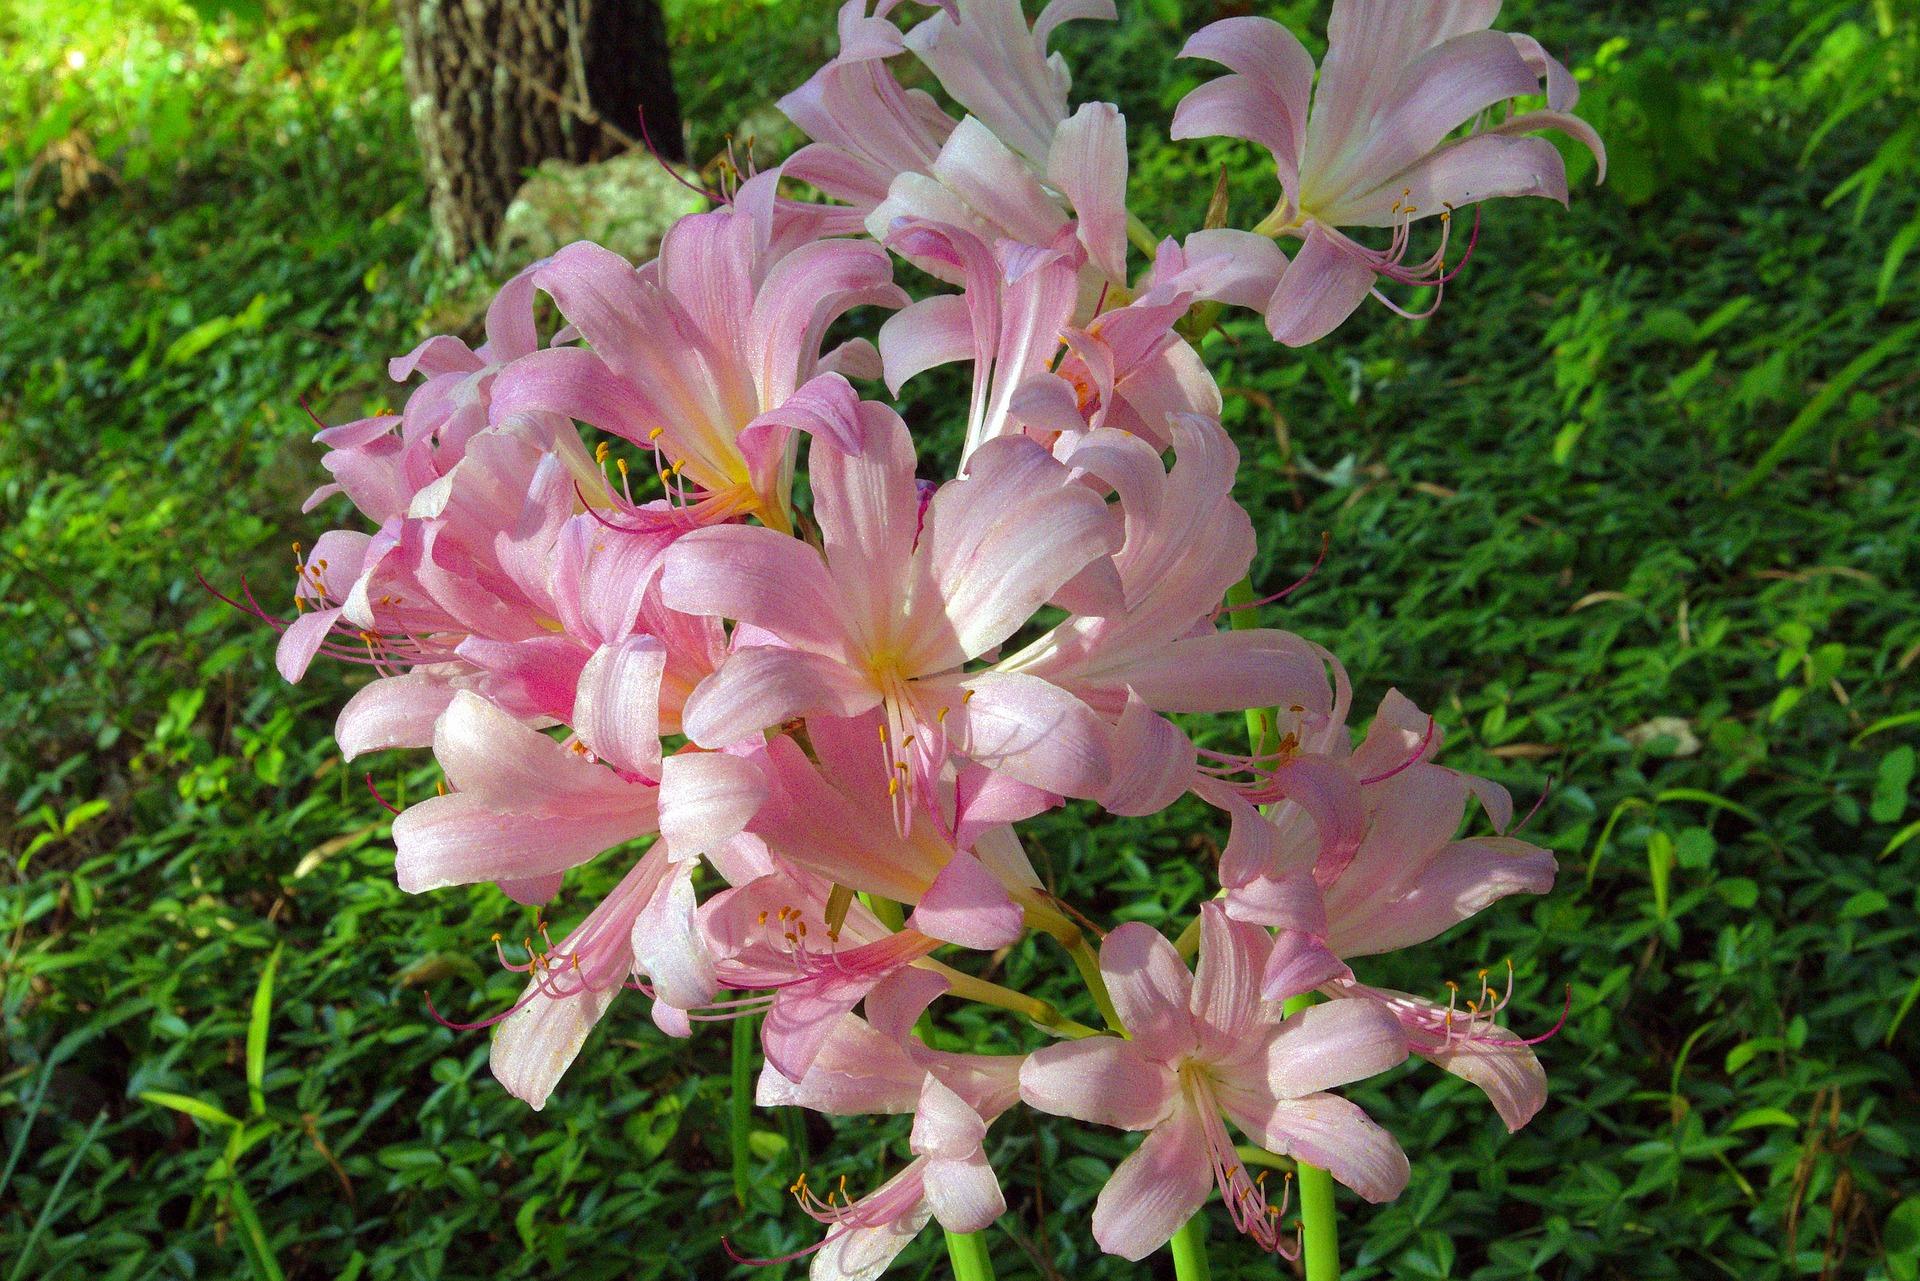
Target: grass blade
x=199 y=1109
x=740 y=1106
x=257 y=1036
x=53 y=1197
x=253 y=1237
x=1804 y=421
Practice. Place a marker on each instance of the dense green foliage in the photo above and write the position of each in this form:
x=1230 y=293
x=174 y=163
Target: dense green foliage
x=217 y=1057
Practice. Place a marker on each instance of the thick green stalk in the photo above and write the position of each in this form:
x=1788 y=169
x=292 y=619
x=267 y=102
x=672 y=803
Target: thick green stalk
x=968 y=1250
x=1088 y=963
x=740 y=1107
x=1190 y=1250
x=1320 y=1226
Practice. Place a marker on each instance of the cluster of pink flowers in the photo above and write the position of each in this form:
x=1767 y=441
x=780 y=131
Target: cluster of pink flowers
x=829 y=716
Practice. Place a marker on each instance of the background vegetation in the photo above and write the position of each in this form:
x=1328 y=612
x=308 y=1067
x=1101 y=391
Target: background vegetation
x=217 y=1061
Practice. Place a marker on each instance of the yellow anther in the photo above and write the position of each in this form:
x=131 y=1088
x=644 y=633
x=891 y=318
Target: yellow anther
x=763 y=918
x=656 y=433
x=620 y=464
x=495 y=938
x=883 y=733
x=969 y=697
x=802 y=927
x=906 y=742
x=600 y=452
x=893 y=787
x=939 y=717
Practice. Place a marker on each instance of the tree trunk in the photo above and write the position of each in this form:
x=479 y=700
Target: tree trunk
x=497 y=86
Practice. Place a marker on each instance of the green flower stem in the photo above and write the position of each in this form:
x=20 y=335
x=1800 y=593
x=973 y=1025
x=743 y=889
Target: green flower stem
x=740 y=1107
x=1321 y=1227
x=968 y=1250
x=1141 y=237
x=1088 y=963
x=1041 y=1013
x=1190 y=1250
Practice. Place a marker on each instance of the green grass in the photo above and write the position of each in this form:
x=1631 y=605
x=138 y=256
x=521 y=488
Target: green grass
x=1527 y=503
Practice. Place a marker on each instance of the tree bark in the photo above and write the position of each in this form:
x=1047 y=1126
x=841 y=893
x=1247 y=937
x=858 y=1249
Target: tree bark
x=496 y=86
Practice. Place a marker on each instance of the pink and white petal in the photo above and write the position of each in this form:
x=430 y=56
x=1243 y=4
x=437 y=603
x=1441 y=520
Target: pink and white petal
x=1153 y=762
x=1329 y=791
x=1322 y=286
x=1232 y=671
x=1156 y=1189
x=1031 y=730
x=461 y=839
x=924 y=335
x=802 y=1017
x=1151 y=989
x=967 y=906
x=858 y=1072
x=1573 y=126
x=1226 y=984
x=616 y=707
x=1237 y=268
x=1299 y=962
x=1461 y=879
x=302 y=640
x=944 y=1126
x=868 y=509
x=896 y=1005
x=1442 y=89
x=535 y=1045
x=1486 y=166
x=1336 y=1135
x=535 y=890
x=392 y=711
x=1101 y=1079
x=862 y=1254
x=1507 y=1070
x=576 y=383
x=1330 y=1044
x=756 y=575
x=668 y=946
x=706 y=799
x=1270 y=60
x=489 y=755
x=997 y=185
x=854 y=358
x=1088 y=164
x=963 y=1192
x=762 y=686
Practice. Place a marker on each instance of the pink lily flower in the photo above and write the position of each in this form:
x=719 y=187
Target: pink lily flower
x=1407 y=881
x=834 y=819
x=1376 y=148
x=572 y=985
x=893 y=153
x=1155 y=651
x=524 y=808
x=1203 y=1046
x=773 y=934
x=709 y=355
x=995 y=65
x=903 y=598
x=866 y=128
x=877 y=1065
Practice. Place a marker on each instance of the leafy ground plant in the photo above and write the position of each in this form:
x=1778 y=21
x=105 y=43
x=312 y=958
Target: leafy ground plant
x=1720 y=690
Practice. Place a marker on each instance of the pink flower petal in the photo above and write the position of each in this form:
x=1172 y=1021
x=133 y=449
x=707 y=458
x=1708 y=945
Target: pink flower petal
x=1088 y=164
x=762 y=686
x=1151 y=989
x=756 y=575
x=706 y=799
x=393 y=711
x=1101 y=1079
x=967 y=906
x=1332 y=1044
x=1328 y=1131
x=616 y=709
x=1322 y=286
x=1156 y=1189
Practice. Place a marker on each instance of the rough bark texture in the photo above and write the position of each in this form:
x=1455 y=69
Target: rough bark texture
x=496 y=86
